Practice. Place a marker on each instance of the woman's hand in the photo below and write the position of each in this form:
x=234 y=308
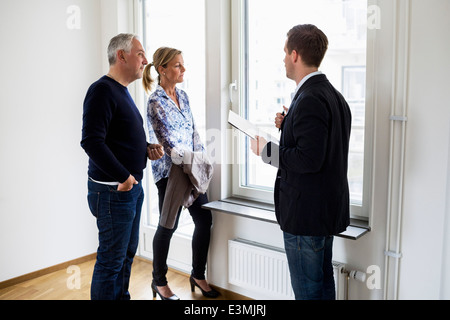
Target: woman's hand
x=155 y=151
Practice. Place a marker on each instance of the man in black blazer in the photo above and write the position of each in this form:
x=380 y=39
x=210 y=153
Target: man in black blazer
x=311 y=188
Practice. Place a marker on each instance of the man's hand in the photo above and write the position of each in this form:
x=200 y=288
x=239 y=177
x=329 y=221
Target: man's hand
x=128 y=184
x=258 y=145
x=155 y=151
x=280 y=117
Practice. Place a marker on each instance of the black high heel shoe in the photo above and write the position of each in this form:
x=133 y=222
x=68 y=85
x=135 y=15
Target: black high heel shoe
x=156 y=291
x=209 y=294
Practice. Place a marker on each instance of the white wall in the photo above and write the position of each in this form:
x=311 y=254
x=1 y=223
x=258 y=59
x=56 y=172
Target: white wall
x=51 y=53
x=46 y=69
x=425 y=270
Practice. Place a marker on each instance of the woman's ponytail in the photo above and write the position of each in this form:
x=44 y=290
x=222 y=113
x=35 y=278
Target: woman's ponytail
x=147 y=80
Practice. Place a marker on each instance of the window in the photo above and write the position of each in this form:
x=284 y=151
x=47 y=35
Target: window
x=264 y=89
x=165 y=23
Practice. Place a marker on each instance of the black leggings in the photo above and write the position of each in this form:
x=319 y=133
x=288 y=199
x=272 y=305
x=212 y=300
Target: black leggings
x=200 y=240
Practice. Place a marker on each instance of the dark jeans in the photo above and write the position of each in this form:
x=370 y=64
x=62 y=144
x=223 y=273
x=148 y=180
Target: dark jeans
x=310 y=266
x=118 y=215
x=200 y=240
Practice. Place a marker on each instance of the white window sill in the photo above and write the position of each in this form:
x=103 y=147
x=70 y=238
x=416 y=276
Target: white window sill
x=266 y=212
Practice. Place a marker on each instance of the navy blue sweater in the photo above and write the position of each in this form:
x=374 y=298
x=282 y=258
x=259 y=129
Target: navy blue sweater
x=113 y=135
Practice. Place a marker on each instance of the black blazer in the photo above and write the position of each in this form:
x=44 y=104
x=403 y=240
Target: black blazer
x=311 y=188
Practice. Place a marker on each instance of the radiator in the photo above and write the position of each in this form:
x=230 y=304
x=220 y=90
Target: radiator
x=264 y=270
x=340 y=280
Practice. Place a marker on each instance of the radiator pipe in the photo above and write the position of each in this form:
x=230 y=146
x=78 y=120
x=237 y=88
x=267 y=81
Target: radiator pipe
x=399 y=173
x=353 y=274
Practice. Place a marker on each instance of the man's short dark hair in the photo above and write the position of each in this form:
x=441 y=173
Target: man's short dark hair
x=309 y=42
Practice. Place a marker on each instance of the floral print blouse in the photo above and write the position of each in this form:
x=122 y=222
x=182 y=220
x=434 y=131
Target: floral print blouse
x=171 y=127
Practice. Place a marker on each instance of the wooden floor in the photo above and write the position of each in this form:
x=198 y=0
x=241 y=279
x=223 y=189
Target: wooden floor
x=59 y=285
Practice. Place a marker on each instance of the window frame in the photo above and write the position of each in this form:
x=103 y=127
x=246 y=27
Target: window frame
x=238 y=96
x=238 y=61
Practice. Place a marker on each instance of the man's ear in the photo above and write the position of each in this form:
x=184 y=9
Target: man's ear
x=295 y=56
x=121 y=56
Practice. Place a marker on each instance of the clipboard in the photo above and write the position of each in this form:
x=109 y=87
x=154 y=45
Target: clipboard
x=247 y=127
x=242 y=125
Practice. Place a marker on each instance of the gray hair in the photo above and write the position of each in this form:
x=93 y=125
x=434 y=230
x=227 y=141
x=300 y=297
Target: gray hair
x=123 y=41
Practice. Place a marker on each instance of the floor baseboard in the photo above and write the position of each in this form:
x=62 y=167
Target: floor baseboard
x=39 y=273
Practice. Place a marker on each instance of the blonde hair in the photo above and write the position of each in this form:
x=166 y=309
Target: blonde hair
x=161 y=57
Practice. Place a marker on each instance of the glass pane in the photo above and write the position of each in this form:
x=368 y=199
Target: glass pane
x=179 y=24
x=268 y=90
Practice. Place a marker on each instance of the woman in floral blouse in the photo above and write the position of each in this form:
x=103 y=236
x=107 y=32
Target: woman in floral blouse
x=170 y=122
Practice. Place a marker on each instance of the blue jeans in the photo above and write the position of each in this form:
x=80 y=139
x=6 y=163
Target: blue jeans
x=118 y=216
x=310 y=266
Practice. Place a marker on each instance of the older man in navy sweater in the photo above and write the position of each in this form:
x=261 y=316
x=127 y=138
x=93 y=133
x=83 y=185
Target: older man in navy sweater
x=113 y=136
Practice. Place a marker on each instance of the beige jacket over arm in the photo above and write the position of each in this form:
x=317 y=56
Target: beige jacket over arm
x=185 y=184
